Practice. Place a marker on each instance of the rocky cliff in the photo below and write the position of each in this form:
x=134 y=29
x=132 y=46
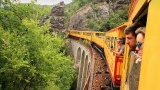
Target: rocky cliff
x=57 y=17
x=79 y=20
x=97 y=12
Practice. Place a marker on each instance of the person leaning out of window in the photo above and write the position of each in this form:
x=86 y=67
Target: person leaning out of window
x=139 y=44
x=120 y=49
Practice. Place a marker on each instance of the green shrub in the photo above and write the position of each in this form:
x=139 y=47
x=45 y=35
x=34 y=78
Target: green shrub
x=86 y=42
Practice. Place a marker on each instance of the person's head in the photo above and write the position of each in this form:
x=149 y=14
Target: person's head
x=140 y=39
x=120 y=41
x=131 y=35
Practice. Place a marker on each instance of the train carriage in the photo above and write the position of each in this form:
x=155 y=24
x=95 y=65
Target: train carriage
x=145 y=12
x=75 y=33
x=98 y=38
x=114 y=61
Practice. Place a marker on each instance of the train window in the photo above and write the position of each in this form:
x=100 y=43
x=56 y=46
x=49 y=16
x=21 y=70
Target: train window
x=100 y=34
x=86 y=33
x=115 y=41
x=124 y=39
x=107 y=41
x=97 y=34
x=112 y=43
x=141 y=17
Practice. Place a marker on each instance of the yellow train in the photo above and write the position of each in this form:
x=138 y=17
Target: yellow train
x=114 y=61
x=103 y=41
x=146 y=12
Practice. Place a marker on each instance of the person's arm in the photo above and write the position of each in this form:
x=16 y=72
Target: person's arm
x=119 y=52
x=138 y=57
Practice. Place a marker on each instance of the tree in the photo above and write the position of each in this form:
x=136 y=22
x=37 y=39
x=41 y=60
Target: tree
x=28 y=58
x=115 y=19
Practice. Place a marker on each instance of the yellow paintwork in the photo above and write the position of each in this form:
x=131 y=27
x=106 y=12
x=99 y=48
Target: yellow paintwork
x=75 y=33
x=87 y=35
x=100 y=40
x=124 y=68
x=114 y=33
x=137 y=7
x=150 y=69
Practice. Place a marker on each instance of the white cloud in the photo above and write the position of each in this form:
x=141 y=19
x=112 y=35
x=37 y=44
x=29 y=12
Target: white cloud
x=47 y=2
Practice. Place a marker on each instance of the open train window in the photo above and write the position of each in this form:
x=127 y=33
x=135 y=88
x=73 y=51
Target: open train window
x=141 y=16
x=112 y=40
x=115 y=41
x=114 y=44
x=107 y=41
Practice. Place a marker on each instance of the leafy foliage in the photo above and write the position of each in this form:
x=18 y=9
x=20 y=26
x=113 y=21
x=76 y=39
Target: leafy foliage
x=86 y=42
x=75 y=5
x=115 y=19
x=93 y=25
x=30 y=59
x=70 y=9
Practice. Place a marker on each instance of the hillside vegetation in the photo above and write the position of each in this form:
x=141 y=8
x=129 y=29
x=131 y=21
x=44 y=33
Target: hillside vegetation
x=94 y=19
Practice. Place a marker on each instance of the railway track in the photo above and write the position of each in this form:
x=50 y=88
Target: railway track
x=101 y=77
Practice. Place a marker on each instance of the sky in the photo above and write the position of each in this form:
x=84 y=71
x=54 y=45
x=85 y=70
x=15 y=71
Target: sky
x=47 y=2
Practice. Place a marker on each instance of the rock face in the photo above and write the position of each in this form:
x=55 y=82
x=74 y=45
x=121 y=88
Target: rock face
x=58 y=10
x=79 y=20
x=57 y=17
x=117 y=4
